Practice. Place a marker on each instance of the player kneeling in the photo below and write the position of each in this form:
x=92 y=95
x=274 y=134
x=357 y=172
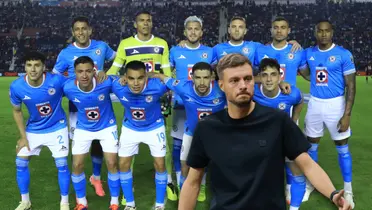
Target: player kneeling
x=142 y=123
x=42 y=94
x=95 y=121
x=269 y=94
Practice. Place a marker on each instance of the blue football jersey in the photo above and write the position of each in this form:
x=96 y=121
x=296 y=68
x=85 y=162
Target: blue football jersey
x=247 y=48
x=43 y=103
x=94 y=108
x=327 y=71
x=143 y=110
x=282 y=101
x=183 y=59
x=98 y=51
x=197 y=106
x=289 y=62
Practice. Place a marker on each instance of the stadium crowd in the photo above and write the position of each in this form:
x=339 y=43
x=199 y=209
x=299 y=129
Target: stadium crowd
x=47 y=28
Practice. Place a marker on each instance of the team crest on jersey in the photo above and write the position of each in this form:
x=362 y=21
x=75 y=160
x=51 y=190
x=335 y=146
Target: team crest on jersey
x=290 y=56
x=138 y=115
x=204 y=55
x=51 y=91
x=245 y=50
x=92 y=113
x=111 y=121
x=149 y=66
x=62 y=121
x=321 y=77
x=216 y=101
x=282 y=71
x=98 y=52
x=282 y=106
x=176 y=82
x=44 y=109
x=332 y=58
x=148 y=99
x=156 y=49
x=203 y=114
x=101 y=97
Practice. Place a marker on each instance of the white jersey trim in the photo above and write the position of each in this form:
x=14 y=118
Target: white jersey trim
x=277 y=95
x=333 y=45
x=351 y=71
x=34 y=86
x=94 y=86
x=136 y=37
x=117 y=64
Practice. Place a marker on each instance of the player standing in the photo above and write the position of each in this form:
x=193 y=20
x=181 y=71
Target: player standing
x=42 y=94
x=99 y=52
x=290 y=63
x=154 y=52
x=331 y=70
x=182 y=60
x=95 y=120
x=143 y=122
x=201 y=97
x=368 y=71
x=269 y=94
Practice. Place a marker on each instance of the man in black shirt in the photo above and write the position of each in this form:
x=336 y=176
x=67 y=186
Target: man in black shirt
x=245 y=147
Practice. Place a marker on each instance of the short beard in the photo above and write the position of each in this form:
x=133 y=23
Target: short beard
x=242 y=104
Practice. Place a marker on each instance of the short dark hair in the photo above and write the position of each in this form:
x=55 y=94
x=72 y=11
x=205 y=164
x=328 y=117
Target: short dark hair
x=324 y=20
x=230 y=61
x=280 y=18
x=144 y=12
x=80 y=19
x=238 y=18
x=202 y=66
x=83 y=59
x=34 y=56
x=135 y=65
x=268 y=62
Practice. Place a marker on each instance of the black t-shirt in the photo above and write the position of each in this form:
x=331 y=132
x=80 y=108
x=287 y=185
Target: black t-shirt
x=246 y=157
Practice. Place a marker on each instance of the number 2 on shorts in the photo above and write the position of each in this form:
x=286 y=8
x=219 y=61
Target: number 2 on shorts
x=60 y=139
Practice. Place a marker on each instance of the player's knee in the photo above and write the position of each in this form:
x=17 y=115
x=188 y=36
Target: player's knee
x=159 y=164
x=124 y=164
x=313 y=140
x=184 y=168
x=78 y=165
x=111 y=164
x=341 y=142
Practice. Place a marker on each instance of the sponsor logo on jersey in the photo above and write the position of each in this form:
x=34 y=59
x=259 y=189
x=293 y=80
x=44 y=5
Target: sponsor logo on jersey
x=101 y=97
x=44 y=109
x=181 y=57
x=176 y=82
x=138 y=114
x=216 y=101
x=98 y=52
x=204 y=55
x=148 y=99
x=92 y=113
x=290 y=56
x=189 y=71
x=111 y=121
x=245 y=50
x=203 y=113
x=149 y=66
x=26 y=98
x=282 y=106
x=321 y=76
x=282 y=71
x=332 y=58
x=51 y=91
x=156 y=49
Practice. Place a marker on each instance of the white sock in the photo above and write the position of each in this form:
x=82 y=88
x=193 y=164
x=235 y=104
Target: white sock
x=114 y=200
x=132 y=204
x=204 y=179
x=64 y=198
x=288 y=187
x=25 y=197
x=170 y=180
x=294 y=208
x=96 y=177
x=159 y=204
x=347 y=187
x=83 y=201
x=178 y=175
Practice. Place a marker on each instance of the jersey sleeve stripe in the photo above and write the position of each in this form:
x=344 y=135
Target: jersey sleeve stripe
x=144 y=50
x=15 y=104
x=117 y=64
x=165 y=66
x=303 y=67
x=113 y=56
x=351 y=71
x=55 y=71
x=140 y=46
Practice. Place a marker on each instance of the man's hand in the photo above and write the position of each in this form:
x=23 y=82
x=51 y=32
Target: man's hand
x=122 y=81
x=22 y=142
x=152 y=75
x=182 y=43
x=101 y=76
x=285 y=87
x=340 y=202
x=296 y=46
x=343 y=124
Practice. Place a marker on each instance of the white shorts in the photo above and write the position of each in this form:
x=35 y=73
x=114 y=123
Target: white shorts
x=186 y=144
x=107 y=137
x=178 y=121
x=326 y=112
x=57 y=142
x=72 y=119
x=130 y=139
